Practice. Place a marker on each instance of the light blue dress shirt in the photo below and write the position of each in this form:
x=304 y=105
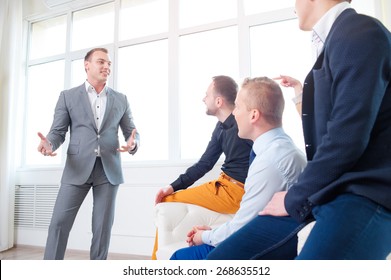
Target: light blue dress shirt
x=276 y=167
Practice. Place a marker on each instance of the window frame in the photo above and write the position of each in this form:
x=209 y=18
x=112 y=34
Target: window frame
x=242 y=21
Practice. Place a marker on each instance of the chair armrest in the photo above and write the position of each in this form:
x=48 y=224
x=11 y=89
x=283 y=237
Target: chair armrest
x=174 y=220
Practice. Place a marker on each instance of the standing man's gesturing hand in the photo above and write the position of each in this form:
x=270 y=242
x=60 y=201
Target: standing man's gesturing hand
x=131 y=144
x=45 y=147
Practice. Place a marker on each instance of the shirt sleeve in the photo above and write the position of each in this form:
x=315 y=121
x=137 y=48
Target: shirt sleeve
x=258 y=193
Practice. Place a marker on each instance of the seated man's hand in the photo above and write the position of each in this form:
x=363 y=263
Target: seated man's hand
x=194 y=237
x=276 y=206
x=162 y=193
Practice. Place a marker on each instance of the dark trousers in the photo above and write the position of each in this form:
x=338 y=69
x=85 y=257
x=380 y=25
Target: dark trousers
x=351 y=227
x=265 y=237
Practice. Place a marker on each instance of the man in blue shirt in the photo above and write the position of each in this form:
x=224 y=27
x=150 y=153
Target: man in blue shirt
x=224 y=194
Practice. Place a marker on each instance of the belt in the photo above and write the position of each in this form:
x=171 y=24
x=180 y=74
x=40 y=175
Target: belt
x=236 y=182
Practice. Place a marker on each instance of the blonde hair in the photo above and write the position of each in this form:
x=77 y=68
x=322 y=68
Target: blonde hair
x=265 y=95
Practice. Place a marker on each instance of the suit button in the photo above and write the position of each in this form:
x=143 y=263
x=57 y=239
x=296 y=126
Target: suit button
x=98 y=136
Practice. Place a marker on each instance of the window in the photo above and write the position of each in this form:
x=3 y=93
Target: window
x=164 y=54
x=142 y=18
x=256 y=6
x=48 y=37
x=202 y=56
x=143 y=77
x=93 y=27
x=197 y=12
x=271 y=56
x=78 y=73
x=45 y=82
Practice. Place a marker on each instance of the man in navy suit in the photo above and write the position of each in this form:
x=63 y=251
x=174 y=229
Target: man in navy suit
x=346 y=115
x=93 y=112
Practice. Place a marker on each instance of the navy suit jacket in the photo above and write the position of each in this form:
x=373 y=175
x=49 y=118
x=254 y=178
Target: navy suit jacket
x=346 y=115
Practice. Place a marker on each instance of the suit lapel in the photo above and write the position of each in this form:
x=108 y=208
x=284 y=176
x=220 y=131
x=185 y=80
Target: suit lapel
x=109 y=105
x=85 y=102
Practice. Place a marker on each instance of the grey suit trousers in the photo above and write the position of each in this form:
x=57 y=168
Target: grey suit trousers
x=69 y=200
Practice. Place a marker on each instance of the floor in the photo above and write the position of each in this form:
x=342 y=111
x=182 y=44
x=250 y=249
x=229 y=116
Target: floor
x=24 y=252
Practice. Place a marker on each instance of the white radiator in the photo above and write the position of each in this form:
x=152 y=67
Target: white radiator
x=34 y=205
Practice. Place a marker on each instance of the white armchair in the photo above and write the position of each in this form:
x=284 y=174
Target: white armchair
x=175 y=219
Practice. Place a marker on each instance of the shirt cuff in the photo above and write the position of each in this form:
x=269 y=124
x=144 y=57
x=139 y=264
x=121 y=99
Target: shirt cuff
x=298 y=99
x=206 y=237
x=132 y=151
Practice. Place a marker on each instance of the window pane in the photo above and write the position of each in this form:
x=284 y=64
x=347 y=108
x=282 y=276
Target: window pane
x=364 y=7
x=256 y=6
x=202 y=56
x=93 y=27
x=141 y=18
x=197 y=12
x=48 y=37
x=46 y=81
x=287 y=55
x=143 y=77
x=79 y=75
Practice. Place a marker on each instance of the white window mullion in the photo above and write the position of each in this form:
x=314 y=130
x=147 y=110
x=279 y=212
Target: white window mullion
x=174 y=144
x=244 y=43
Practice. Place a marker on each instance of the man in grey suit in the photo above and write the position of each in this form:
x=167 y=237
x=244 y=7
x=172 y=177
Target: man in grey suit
x=93 y=112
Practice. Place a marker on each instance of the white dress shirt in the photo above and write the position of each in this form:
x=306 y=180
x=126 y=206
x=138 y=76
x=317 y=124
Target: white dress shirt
x=276 y=167
x=322 y=28
x=98 y=103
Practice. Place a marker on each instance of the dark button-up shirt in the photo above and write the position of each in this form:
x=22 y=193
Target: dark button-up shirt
x=225 y=140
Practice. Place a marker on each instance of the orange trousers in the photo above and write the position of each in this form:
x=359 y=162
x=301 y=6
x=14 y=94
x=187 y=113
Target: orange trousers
x=222 y=195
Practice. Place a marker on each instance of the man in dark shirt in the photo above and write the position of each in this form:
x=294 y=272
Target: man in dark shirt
x=224 y=194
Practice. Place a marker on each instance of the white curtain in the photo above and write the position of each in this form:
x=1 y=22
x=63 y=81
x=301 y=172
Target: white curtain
x=11 y=26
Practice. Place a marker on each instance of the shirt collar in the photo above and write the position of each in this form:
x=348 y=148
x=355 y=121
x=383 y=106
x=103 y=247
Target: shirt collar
x=264 y=140
x=323 y=26
x=229 y=122
x=91 y=89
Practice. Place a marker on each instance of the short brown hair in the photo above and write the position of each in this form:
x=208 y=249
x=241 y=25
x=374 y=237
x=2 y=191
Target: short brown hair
x=227 y=87
x=89 y=54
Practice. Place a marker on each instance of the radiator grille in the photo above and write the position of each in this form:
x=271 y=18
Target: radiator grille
x=34 y=205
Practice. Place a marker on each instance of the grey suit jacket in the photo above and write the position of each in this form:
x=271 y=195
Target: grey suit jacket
x=73 y=111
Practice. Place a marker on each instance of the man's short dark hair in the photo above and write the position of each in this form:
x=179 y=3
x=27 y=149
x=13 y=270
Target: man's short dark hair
x=226 y=87
x=89 y=54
